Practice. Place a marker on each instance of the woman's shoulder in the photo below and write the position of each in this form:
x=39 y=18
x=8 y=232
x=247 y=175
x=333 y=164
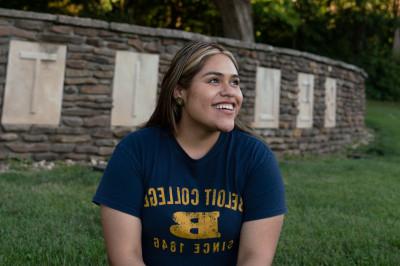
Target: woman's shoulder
x=143 y=133
x=250 y=147
x=246 y=139
x=255 y=156
x=146 y=137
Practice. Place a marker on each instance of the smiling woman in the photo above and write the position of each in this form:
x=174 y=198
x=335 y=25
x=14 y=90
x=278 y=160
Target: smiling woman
x=211 y=104
x=191 y=187
x=213 y=99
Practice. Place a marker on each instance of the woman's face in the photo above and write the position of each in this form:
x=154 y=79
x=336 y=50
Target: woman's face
x=214 y=98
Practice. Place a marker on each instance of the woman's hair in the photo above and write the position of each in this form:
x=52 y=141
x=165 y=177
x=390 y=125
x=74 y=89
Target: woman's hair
x=187 y=62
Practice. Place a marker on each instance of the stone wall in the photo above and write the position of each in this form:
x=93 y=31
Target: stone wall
x=84 y=131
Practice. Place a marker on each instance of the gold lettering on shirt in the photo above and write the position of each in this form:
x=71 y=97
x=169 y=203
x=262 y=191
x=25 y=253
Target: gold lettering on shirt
x=240 y=208
x=235 y=199
x=146 y=201
x=195 y=225
x=178 y=196
x=229 y=204
x=195 y=200
x=185 y=196
x=160 y=196
x=171 y=198
x=153 y=197
x=206 y=248
x=214 y=197
x=174 y=246
x=212 y=247
x=207 y=191
x=221 y=198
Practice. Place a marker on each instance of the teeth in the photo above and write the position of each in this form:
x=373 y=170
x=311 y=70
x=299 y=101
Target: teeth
x=224 y=106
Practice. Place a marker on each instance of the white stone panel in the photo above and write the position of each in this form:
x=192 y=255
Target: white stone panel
x=268 y=83
x=134 y=88
x=330 y=102
x=34 y=83
x=305 y=100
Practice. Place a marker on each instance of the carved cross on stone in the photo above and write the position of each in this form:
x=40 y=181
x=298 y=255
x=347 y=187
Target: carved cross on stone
x=38 y=57
x=135 y=88
x=307 y=88
x=268 y=113
x=331 y=101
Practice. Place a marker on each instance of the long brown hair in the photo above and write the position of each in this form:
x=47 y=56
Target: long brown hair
x=187 y=62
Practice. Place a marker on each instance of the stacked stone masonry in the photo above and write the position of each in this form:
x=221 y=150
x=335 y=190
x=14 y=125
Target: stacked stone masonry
x=299 y=102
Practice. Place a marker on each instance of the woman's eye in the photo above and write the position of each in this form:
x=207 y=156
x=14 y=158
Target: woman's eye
x=213 y=81
x=235 y=82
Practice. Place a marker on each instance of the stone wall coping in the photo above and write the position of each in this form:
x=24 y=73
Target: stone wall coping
x=26 y=14
x=170 y=33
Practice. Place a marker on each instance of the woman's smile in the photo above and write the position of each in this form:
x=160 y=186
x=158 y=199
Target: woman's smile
x=214 y=98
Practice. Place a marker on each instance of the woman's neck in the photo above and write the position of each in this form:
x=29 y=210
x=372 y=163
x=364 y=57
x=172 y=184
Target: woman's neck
x=196 y=143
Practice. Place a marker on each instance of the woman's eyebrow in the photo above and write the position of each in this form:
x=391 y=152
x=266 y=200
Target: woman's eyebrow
x=218 y=74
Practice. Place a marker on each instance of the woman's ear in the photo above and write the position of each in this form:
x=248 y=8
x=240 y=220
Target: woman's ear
x=180 y=92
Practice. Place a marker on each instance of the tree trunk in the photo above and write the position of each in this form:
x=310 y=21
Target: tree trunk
x=396 y=42
x=236 y=19
x=396 y=37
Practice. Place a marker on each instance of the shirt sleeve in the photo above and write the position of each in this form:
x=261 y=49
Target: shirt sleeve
x=264 y=194
x=121 y=186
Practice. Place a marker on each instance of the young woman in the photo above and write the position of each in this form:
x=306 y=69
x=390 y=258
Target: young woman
x=192 y=187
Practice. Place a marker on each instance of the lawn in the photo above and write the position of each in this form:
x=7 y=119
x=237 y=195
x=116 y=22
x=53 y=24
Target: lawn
x=47 y=218
x=346 y=211
x=342 y=211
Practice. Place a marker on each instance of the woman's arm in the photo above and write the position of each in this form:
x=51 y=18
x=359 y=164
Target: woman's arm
x=258 y=240
x=122 y=235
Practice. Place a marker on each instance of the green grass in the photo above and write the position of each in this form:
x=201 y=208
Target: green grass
x=384 y=119
x=342 y=211
x=346 y=211
x=46 y=217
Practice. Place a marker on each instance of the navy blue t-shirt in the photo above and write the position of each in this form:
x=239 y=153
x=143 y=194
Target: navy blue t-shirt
x=192 y=210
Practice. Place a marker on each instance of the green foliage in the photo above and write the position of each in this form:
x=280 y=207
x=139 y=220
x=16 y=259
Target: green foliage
x=275 y=22
x=357 y=32
x=188 y=15
x=384 y=79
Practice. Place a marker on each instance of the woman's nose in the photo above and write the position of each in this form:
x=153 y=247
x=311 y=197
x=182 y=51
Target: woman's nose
x=227 y=89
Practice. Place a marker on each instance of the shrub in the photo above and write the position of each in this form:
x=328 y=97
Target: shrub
x=384 y=76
